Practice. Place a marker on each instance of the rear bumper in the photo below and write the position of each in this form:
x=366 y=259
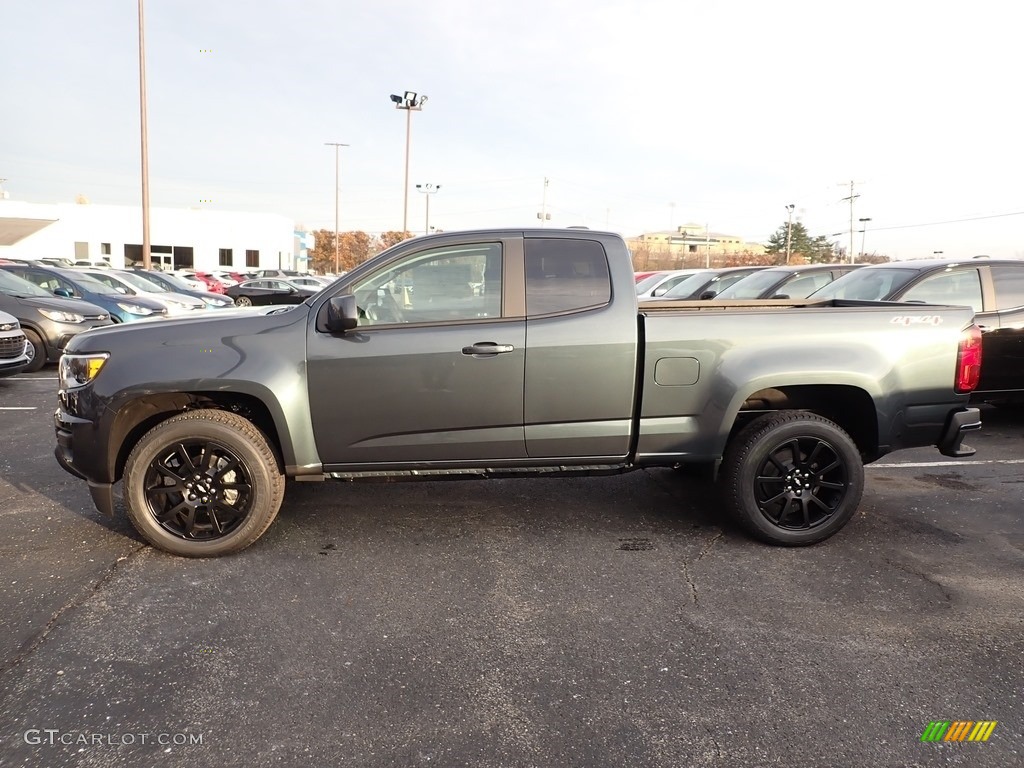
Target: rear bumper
x=957 y=426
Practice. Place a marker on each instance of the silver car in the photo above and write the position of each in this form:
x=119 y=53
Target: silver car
x=14 y=357
x=134 y=284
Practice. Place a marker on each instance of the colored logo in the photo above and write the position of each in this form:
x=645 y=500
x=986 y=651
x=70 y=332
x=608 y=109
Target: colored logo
x=959 y=730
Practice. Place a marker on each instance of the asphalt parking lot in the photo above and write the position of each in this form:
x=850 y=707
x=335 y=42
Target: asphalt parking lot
x=610 y=621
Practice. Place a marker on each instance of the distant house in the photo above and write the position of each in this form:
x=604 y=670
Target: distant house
x=185 y=238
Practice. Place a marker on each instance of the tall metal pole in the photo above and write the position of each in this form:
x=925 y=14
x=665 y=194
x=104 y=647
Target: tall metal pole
x=409 y=101
x=428 y=190
x=335 y=144
x=707 y=245
x=863 y=235
x=405 y=197
x=544 y=203
x=789 y=232
x=146 y=248
x=851 y=198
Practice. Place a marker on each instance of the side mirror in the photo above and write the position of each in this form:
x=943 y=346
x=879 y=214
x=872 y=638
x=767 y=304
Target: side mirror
x=707 y=295
x=63 y=293
x=660 y=291
x=342 y=314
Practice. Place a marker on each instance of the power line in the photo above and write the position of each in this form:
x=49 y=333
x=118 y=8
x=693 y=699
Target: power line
x=953 y=221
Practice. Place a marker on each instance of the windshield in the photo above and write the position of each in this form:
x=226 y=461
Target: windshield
x=174 y=280
x=91 y=284
x=649 y=282
x=13 y=285
x=752 y=286
x=141 y=283
x=689 y=285
x=866 y=284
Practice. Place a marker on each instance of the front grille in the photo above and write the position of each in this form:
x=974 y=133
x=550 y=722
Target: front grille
x=12 y=347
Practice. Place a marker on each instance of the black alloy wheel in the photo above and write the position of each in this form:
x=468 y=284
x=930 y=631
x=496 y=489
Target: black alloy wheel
x=792 y=478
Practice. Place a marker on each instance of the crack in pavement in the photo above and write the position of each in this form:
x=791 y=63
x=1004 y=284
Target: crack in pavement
x=83 y=597
x=924 y=577
x=686 y=565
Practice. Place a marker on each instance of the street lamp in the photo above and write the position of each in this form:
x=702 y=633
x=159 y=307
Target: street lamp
x=428 y=190
x=789 y=231
x=335 y=144
x=146 y=248
x=863 y=234
x=410 y=102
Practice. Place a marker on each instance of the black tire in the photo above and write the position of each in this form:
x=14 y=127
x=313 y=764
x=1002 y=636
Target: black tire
x=243 y=301
x=792 y=478
x=202 y=484
x=36 y=351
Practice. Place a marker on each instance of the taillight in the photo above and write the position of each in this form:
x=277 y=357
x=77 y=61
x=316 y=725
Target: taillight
x=968 y=360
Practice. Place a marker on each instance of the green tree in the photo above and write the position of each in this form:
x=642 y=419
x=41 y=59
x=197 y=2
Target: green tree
x=803 y=247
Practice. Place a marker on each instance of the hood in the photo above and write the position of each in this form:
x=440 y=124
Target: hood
x=59 y=304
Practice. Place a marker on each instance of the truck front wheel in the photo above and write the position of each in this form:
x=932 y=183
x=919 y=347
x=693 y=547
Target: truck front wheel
x=792 y=478
x=203 y=483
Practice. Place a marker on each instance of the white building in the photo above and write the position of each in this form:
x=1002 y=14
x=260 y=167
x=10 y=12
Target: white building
x=180 y=238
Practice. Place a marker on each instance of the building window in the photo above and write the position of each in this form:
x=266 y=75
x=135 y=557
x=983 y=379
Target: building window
x=252 y=258
x=81 y=251
x=692 y=249
x=105 y=249
x=226 y=258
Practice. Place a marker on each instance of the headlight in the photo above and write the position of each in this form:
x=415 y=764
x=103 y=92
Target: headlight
x=218 y=302
x=78 y=370
x=61 y=317
x=135 y=309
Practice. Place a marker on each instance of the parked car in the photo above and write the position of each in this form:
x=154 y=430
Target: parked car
x=74 y=284
x=133 y=284
x=47 y=321
x=356 y=384
x=791 y=282
x=213 y=285
x=638 y=276
x=177 y=285
x=283 y=274
x=262 y=292
x=707 y=283
x=311 y=281
x=993 y=288
x=189 y=278
x=93 y=264
x=14 y=354
x=661 y=283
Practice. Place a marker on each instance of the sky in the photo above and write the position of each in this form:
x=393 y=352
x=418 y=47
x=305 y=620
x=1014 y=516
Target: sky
x=642 y=116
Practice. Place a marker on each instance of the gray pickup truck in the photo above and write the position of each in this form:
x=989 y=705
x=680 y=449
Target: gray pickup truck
x=507 y=353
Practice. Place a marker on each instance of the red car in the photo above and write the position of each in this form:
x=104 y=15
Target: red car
x=213 y=285
x=641 y=275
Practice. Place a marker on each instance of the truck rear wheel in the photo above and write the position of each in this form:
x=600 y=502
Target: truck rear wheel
x=203 y=483
x=792 y=478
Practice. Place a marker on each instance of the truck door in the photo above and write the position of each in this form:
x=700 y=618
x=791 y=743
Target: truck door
x=434 y=371
x=581 y=352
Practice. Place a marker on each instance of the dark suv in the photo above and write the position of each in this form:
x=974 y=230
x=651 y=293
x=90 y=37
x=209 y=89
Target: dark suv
x=994 y=288
x=790 y=282
x=47 y=321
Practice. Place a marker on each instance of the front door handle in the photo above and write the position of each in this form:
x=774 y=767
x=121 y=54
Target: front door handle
x=487 y=348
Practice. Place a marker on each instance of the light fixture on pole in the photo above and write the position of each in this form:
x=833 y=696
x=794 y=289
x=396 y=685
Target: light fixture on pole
x=335 y=144
x=410 y=102
x=863 y=234
x=428 y=190
x=789 y=232
x=544 y=216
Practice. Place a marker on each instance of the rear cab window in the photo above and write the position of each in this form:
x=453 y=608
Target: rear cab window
x=565 y=276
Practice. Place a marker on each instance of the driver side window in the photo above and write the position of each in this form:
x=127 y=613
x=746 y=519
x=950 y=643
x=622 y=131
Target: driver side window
x=448 y=284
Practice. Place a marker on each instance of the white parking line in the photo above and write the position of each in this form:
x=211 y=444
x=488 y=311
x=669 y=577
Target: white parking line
x=919 y=464
x=17 y=408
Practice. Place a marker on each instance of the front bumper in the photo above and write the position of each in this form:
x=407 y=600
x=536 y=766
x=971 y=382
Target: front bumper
x=958 y=424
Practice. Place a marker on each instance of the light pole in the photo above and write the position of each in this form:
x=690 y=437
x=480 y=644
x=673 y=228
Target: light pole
x=428 y=190
x=789 y=232
x=335 y=144
x=146 y=248
x=410 y=102
x=863 y=234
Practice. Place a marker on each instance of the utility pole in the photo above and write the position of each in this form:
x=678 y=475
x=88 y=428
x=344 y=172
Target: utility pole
x=707 y=245
x=851 y=198
x=789 y=232
x=146 y=248
x=335 y=144
x=544 y=215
